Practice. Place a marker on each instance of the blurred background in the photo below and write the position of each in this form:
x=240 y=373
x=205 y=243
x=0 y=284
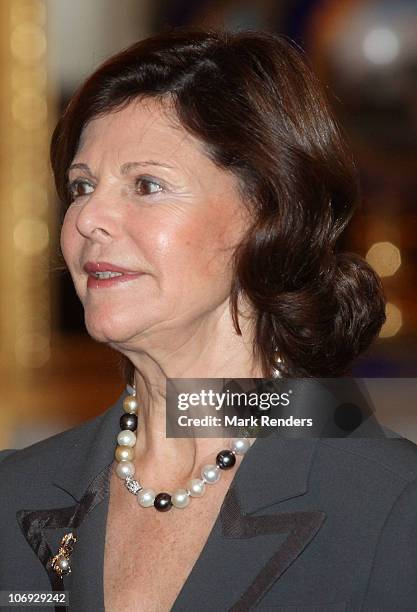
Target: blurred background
x=52 y=374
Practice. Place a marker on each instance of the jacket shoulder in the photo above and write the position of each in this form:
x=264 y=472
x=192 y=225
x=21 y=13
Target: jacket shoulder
x=395 y=455
x=49 y=446
x=41 y=460
x=5 y=453
x=63 y=463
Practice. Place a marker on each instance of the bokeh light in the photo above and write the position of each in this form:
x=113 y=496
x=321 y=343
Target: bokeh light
x=384 y=257
x=381 y=46
x=393 y=323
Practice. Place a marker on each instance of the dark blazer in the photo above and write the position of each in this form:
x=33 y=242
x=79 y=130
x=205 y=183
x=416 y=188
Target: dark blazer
x=308 y=525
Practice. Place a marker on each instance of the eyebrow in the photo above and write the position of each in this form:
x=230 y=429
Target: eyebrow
x=124 y=169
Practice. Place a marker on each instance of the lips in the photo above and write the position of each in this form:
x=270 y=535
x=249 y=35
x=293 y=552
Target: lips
x=104 y=266
x=95 y=282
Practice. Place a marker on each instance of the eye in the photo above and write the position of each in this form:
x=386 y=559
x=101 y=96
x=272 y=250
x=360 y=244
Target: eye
x=79 y=187
x=147 y=186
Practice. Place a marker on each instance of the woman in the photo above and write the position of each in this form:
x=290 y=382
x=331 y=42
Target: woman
x=205 y=185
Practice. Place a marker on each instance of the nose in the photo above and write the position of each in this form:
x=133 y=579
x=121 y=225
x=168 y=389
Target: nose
x=97 y=218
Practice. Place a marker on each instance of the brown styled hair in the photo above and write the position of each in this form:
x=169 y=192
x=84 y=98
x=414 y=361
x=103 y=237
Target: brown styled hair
x=251 y=98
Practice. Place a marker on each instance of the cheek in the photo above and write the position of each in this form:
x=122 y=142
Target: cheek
x=69 y=240
x=199 y=249
x=65 y=240
x=213 y=240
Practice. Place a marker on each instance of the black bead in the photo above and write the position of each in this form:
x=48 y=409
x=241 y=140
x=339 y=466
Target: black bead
x=163 y=502
x=129 y=421
x=225 y=459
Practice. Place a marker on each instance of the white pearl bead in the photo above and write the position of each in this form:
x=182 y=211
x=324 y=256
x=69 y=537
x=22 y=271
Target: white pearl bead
x=196 y=487
x=180 y=498
x=240 y=445
x=126 y=438
x=125 y=468
x=210 y=473
x=146 y=497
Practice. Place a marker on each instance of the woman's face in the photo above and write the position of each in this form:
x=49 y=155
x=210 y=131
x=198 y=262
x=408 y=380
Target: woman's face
x=147 y=199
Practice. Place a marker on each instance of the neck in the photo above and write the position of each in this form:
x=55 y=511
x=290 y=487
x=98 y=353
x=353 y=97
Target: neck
x=167 y=462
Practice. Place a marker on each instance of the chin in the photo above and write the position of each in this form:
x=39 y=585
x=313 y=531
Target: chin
x=113 y=339
x=113 y=331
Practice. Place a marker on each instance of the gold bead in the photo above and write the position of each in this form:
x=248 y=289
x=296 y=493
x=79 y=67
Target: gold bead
x=124 y=453
x=130 y=404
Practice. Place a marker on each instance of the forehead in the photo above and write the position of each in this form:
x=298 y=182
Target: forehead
x=148 y=126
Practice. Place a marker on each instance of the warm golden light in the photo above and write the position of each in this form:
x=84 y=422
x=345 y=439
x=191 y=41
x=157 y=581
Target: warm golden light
x=26 y=79
x=31 y=235
x=29 y=110
x=29 y=195
x=28 y=43
x=33 y=11
x=384 y=257
x=393 y=323
x=32 y=350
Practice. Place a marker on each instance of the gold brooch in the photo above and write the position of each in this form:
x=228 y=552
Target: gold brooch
x=60 y=563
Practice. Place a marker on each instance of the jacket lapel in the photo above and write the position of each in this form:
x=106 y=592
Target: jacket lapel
x=299 y=528
x=85 y=478
x=254 y=541
x=85 y=582
x=250 y=527
x=278 y=471
x=37 y=524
